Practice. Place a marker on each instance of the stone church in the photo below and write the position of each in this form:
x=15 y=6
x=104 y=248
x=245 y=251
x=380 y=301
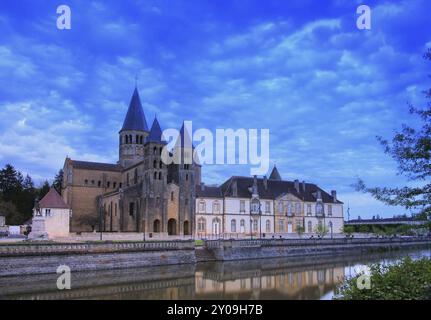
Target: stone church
x=139 y=193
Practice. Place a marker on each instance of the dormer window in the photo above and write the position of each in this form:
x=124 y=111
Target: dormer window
x=47 y=212
x=319 y=209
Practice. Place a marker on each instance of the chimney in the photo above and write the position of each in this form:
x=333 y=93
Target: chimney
x=319 y=195
x=254 y=192
x=234 y=189
x=297 y=185
x=265 y=182
x=334 y=195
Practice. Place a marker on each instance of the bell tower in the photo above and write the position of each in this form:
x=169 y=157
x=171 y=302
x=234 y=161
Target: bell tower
x=133 y=134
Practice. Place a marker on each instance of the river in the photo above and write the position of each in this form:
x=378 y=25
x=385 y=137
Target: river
x=283 y=278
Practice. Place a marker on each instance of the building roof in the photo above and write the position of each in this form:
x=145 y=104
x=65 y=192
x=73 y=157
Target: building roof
x=85 y=165
x=53 y=200
x=156 y=133
x=135 y=117
x=275 y=175
x=204 y=191
x=241 y=187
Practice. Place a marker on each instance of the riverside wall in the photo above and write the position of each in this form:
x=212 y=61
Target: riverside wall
x=45 y=258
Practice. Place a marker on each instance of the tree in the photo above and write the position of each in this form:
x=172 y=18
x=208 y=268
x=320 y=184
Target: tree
x=12 y=216
x=44 y=189
x=300 y=230
x=321 y=230
x=411 y=149
x=58 y=181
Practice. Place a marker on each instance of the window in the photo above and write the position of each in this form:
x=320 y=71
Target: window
x=255 y=206
x=86 y=181
x=242 y=206
x=267 y=206
x=310 y=227
x=242 y=223
x=330 y=225
x=172 y=196
x=309 y=209
x=114 y=185
x=155 y=175
x=329 y=210
x=255 y=225
x=92 y=182
x=202 y=225
x=187 y=177
x=281 y=225
x=216 y=207
x=121 y=185
x=157 y=201
x=280 y=207
x=127 y=140
x=155 y=150
x=319 y=209
x=289 y=209
x=131 y=208
x=298 y=208
x=201 y=206
x=268 y=226
x=155 y=164
x=160 y=176
x=48 y=212
x=108 y=184
x=186 y=202
x=233 y=226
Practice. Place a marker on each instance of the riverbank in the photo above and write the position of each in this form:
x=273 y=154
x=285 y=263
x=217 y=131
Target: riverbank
x=44 y=258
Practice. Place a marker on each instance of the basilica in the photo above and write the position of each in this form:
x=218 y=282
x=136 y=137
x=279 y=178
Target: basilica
x=140 y=193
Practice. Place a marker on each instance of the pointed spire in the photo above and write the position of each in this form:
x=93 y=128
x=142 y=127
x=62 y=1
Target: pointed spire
x=156 y=132
x=184 y=139
x=275 y=175
x=135 y=118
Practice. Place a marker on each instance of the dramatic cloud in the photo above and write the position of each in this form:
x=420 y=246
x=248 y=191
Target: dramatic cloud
x=323 y=88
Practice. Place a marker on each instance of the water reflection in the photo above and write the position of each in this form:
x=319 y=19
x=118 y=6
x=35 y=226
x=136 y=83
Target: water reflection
x=299 y=278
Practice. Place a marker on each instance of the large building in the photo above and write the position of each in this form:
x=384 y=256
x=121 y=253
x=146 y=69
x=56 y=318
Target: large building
x=140 y=193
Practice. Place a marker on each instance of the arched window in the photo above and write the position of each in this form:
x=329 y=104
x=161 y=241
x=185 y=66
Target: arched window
x=172 y=196
x=161 y=150
x=202 y=225
x=137 y=139
x=242 y=226
x=155 y=150
x=233 y=226
x=155 y=175
x=127 y=139
x=130 y=139
x=160 y=176
x=155 y=164
x=310 y=227
x=161 y=165
x=268 y=226
x=141 y=139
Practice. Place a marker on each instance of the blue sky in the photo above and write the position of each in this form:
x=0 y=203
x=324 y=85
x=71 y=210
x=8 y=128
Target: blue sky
x=302 y=69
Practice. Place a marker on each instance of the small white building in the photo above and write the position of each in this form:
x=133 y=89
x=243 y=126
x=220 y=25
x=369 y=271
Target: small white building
x=51 y=217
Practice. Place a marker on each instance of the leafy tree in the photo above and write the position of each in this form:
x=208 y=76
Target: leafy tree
x=348 y=229
x=12 y=216
x=300 y=230
x=321 y=230
x=58 y=181
x=411 y=149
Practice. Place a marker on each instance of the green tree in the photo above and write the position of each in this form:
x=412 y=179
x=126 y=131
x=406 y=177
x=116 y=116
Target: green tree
x=44 y=189
x=411 y=149
x=58 y=181
x=300 y=230
x=321 y=230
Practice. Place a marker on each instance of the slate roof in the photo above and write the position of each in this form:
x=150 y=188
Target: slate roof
x=53 y=200
x=208 y=192
x=135 y=117
x=156 y=133
x=275 y=189
x=85 y=165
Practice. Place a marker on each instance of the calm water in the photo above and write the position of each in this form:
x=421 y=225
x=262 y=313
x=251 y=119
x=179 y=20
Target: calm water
x=311 y=278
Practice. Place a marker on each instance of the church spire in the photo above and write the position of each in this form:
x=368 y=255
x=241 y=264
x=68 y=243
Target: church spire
x=156 y=132
x=275 y=175
x=135 y=117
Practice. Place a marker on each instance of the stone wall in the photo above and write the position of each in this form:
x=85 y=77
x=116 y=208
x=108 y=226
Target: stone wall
x=46 y=258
